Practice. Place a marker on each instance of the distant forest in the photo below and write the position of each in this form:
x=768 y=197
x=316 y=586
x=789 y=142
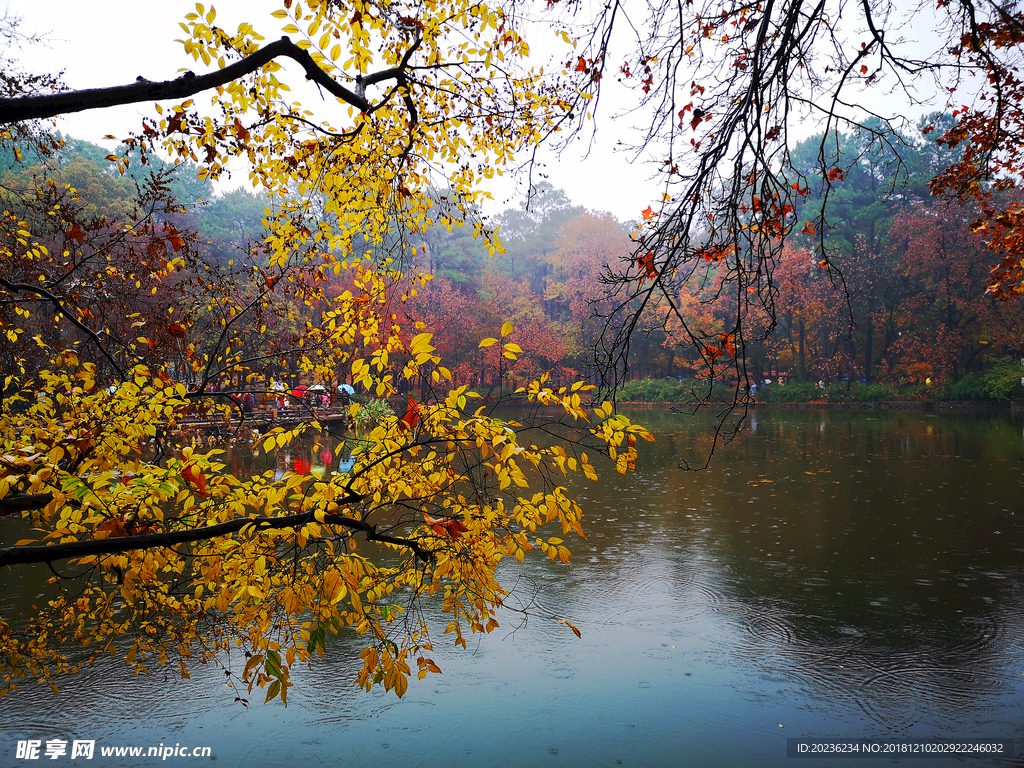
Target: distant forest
x=902 y=299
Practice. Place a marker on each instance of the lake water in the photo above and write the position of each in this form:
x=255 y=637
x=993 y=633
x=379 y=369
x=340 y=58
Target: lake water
x=833 y=574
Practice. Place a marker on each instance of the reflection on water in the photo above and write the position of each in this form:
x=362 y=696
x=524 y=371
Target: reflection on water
x=847 y=574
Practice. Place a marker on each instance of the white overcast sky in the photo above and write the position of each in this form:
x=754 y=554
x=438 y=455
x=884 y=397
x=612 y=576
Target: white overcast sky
x=113 y=42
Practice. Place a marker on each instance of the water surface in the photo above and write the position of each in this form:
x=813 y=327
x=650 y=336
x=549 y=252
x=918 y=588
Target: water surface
x=833 y=574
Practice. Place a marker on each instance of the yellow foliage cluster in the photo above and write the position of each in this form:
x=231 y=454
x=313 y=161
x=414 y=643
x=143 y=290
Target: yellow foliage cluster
x=271 y=566
x=177 y=561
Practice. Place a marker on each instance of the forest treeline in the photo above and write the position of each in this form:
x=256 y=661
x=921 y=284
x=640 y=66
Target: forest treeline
x=901 y=302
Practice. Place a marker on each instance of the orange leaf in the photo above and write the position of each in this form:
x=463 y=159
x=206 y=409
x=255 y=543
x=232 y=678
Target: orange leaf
x=241 y=132
x=571 y=626
x=647 y=213
x=112 y=529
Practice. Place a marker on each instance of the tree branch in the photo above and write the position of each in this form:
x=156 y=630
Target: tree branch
x=14 y=110
x=48 y=553
x=59 y=306
x=23 y=502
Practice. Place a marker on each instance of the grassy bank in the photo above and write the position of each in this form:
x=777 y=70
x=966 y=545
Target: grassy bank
x=994 y=387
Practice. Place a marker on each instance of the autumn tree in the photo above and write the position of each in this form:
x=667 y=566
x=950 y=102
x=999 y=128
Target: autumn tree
x=724 y=86
x=176 y=561
x=529 y=233
x=949 y=316
x=895 y=244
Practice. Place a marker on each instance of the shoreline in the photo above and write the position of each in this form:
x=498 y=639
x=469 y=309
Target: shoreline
x=954 y=406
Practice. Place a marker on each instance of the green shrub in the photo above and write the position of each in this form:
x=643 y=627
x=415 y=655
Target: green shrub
x=799 y=392
x=969 y=388
x=1002 y=380
x=651 y=391
x=874 y=393
x=671 y=391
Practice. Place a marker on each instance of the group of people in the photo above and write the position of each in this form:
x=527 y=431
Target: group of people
x=316 y=396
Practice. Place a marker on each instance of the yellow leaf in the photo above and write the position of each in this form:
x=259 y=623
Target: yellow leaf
x=487 y=343
x=506 y=329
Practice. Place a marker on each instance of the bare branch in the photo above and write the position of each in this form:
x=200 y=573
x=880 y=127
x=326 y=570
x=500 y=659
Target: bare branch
x=15 y=110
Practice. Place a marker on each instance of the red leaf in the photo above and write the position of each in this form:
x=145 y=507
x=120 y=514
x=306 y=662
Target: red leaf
x=412 y=414
x=270 y=281
x=647 y=262
x=173 y=238
x=451 y=526
x=174 y=122
x=456 y=528
x=194 y=475
x=581 y=65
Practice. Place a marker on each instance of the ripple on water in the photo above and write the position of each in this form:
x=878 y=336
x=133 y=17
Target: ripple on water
x=978 y=635
x=765 y=627
x=646 y=596
x=900 y=696
x=816 y=648
x=815 y=581
x=895 y=717
x=108 y=687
